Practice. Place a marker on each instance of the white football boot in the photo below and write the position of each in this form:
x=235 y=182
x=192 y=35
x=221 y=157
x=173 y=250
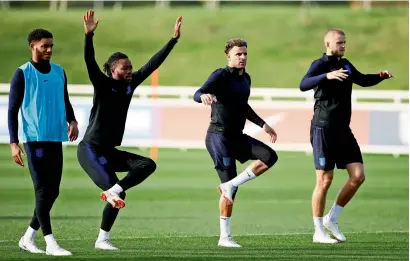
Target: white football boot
x=29 y=246
x=323 y=237
x=333 y=227
x=56 y=250
x=227 y=189
x=105 y=245
x=227 y=242
x=112 y=198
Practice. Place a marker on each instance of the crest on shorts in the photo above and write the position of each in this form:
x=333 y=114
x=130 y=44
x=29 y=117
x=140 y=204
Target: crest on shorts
x=227 y=161
x=39 y=153
x=102 y=160
x=322 y=162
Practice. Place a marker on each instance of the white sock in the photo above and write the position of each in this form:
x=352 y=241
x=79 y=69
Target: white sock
x=318 y=222
x=50 y=240
x=116 y=189
x=103 y=235
x=245 y=176
x=334 y=212
x=225 y=224
x=30 y=234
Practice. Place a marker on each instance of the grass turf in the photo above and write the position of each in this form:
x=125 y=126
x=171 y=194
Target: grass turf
x=173 y=215
x=283 y=41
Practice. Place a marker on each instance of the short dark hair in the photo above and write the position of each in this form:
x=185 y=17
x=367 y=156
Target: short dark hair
x=38 y=34
x=112 y=61
x=235 y=42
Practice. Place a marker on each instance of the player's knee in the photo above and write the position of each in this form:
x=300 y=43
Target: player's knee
x=147 y=164
x=358 y=178
x=269 y=157
x=41 y=193
x=53 y=193
x=150 y=165
x=226 y=173
x=324 y=180
x=122 y=195
x=324 y=184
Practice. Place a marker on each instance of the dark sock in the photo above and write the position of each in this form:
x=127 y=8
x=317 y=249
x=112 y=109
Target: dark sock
x=109 y=215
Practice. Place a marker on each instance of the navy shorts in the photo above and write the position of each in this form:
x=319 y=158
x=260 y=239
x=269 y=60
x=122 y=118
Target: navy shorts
x=334 y=147
x=101 y=163
x=226 y=149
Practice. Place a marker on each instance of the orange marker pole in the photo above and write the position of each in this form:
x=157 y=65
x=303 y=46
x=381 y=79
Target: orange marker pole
x=154 y=86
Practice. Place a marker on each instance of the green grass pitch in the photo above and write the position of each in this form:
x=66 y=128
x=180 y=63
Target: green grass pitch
x=174 y=215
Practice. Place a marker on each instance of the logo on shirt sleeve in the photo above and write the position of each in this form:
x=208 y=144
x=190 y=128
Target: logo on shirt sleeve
x=129 y=90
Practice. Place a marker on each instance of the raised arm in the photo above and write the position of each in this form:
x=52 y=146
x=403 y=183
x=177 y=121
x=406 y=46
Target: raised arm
x=155 y=62
x=94 y=72
x=209 y=86
x=145 y=71
x=364 y=80
x=312 y=78
x=16 y=97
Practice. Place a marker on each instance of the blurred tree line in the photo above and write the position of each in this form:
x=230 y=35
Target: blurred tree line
x=65 y=4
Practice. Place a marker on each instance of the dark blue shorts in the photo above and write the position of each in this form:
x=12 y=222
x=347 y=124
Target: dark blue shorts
x=226 y=149
x=101 y=164
x=334 y=147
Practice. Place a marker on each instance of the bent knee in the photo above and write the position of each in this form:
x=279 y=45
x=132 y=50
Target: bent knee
x=147 y=164
x=358 y=178
x=269 y=157
x=150 y=165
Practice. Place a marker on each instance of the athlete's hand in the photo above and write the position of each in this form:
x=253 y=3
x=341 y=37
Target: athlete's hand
x=177 y=28
x=207 y=99
x=269 y=130
x=89 y=24
x=73 y=131
x=17 y=152
x=337 y=75
x=385 y=75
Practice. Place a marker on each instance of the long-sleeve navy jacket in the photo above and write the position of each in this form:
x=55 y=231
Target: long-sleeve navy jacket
x=333 y=98
x=230 y=109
